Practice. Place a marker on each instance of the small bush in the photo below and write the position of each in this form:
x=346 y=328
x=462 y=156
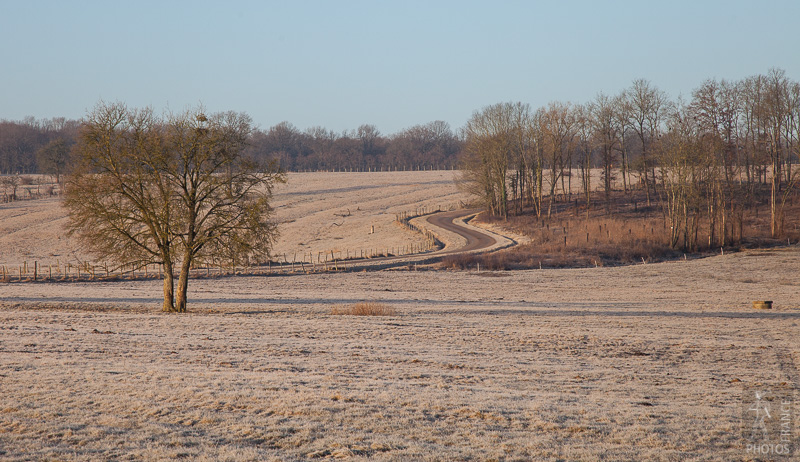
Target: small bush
x=364 y=309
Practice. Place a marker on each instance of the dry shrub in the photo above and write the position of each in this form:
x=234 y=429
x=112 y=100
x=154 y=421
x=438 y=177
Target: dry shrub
x=631 y=234
x=364 y=309
x=571 y=242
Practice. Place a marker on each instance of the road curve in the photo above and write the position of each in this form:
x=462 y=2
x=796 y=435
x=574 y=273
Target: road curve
x=476 y=240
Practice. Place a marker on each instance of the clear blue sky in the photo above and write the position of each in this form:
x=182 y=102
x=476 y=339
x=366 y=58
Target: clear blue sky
x=394 y=64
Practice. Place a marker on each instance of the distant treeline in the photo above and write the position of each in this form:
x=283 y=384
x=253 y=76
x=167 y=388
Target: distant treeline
x=41 y=146
x=23 y=144
x=432 y=145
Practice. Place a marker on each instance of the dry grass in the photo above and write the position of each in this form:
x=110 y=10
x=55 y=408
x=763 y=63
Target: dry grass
x=645 y=362
x=318 y=213
x=575 y=244
x=628 y=232
x=364 y=309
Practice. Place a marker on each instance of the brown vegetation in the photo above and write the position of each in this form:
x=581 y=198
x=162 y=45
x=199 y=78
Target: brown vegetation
x=694 y=176
x=364 y=309
x=706 y=165
x=630 y=233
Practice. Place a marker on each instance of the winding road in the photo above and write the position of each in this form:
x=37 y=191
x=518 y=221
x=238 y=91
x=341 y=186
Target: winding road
x=476 y=239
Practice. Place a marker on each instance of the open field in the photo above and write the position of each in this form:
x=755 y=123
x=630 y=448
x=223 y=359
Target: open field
x=642 y=362
x=628 y=363
x=316 y=212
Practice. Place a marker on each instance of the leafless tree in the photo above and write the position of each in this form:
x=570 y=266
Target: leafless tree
x=622 y=113
x=53 y=158
x=495 y=141
x=585 y=148
x=557 y=127
x=174 y=191
x=648 y=106
x=10 y=184
x=607 y=131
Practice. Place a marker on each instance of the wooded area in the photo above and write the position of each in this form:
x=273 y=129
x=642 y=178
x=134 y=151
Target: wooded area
x=41 y=146
x=705 y=163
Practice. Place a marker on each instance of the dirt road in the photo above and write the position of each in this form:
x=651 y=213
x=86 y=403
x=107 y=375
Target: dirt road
x=476 y=239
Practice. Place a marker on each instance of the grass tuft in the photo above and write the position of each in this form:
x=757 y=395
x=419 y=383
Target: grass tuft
x=364 y=309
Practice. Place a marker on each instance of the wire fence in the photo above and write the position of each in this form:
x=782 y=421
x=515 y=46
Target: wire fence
x=299 y=263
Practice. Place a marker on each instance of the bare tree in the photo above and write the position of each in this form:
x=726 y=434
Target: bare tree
x=54 y=157
x=677 y=154
x=495 y=142
x=10 y=185
x=322 y=144
x=775 y=108
x=557 y=125
x=584 y=151
x=173 y=191
x=429 y=144
x=607 y=130
x=526 y=162
x=622 y=113
x=648 y=107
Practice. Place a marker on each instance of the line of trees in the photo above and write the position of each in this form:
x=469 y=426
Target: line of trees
x=431 y=145
x=42 y=146
x=36 y=146
x=706 y=161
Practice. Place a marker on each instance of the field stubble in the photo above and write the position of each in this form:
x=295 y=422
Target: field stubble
x=637 y=362
x=641 y=362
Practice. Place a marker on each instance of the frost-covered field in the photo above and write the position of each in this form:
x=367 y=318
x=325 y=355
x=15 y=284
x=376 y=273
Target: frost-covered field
x=647 y=362
x=644 y=362
x=316 y=212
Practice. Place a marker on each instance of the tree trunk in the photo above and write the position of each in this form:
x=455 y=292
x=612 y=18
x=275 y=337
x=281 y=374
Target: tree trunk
x=169 y=287
x=773 y=203
x=183 y=283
